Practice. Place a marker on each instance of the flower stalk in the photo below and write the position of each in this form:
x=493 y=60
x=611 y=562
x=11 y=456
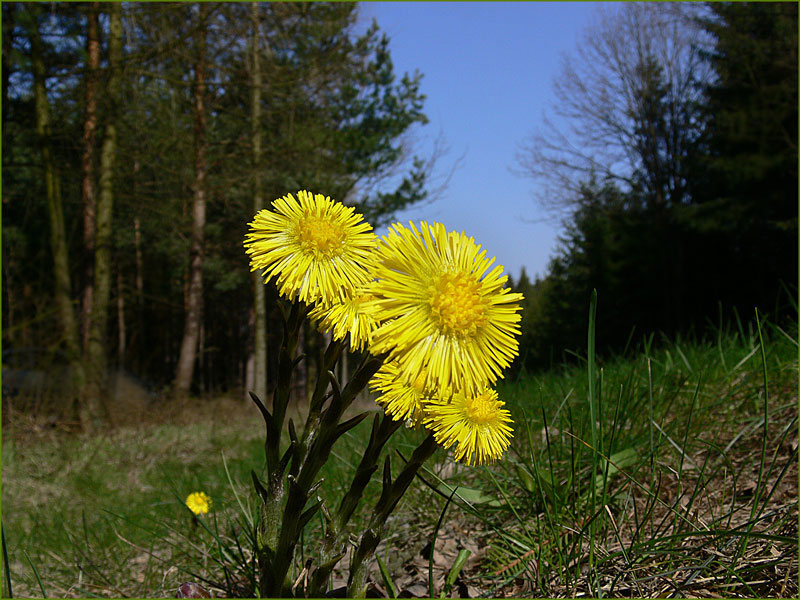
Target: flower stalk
x=390 y=495
x=284 y=512
x=333 y=547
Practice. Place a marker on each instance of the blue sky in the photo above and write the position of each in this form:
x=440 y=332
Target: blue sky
x=488 y=69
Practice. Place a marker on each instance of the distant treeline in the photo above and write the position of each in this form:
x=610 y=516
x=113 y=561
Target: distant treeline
x=703 y=225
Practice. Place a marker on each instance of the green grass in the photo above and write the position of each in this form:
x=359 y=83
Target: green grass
x=671 y=471
x=84 y=509
x=105 y=515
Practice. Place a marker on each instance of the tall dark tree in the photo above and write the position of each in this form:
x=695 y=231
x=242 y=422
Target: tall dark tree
x=87 y=164
x=678 y=170
x=58 y=237
x=194 y=291
x=339 y=111
x=334 y=118
x=748 y=196
x=259 y=358
x=97 y=348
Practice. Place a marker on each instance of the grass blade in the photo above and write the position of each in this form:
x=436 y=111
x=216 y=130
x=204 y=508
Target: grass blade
x=246 y=513
x=590 y=367
x=433 y=543
x=5 y=562
x=35 y=574
x=459 y=563
x=387 y=578
x=757 y=492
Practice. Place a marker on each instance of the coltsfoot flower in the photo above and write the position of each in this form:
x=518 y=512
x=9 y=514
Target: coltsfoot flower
x=476 y=424
x=348 y=316
x=402 y=401
x=199 y=503
x=442 y=310
x=317 y=249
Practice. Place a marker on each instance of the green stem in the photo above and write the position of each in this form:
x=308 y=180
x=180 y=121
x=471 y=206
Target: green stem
x=390 y=496
x=332 y=354
x=270 y=522
x=307 y=467
x=280 y=399
x=329 y=359
x=332 y=549
x=380 y=435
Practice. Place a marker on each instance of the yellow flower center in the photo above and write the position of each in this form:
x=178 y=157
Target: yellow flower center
x=362 y=299
x=419 y=384
x=198 y=502
x=456 y=304
x=482 y=409
x=318 y=234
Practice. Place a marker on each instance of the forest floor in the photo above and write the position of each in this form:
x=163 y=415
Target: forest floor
x=674 y=476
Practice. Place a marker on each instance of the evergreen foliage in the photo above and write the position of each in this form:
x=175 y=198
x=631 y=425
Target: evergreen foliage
x=335 y=117
x=704 y=229
x=748 y=201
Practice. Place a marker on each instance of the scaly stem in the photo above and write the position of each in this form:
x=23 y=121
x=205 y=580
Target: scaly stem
x=306 y=464
x=390 y=496
x=286 y=363
x=332 y=354
x=269 y=522
x=335 y=536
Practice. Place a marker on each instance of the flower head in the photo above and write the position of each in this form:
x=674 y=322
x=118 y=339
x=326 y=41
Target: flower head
x=317 y=249
x=401 y=400
x=198 y=502
x=477 y=424
x=442 y=311
x=349 y=315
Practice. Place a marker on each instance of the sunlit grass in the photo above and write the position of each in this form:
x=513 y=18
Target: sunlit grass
x=105 y=515
x=684 y=481
x=62 y=497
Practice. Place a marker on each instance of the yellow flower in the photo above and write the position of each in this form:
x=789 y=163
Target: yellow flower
x=198 y=502
x=477 y=424
x=441 y=310
x=317 y=249
x=347 y=316
x=400 y=400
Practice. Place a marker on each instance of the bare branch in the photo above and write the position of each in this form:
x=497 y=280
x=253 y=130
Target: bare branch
x=625 y=107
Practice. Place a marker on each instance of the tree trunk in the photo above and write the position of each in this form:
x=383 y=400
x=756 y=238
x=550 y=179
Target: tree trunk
x=9 y=20
x=137 y=239
x=140 y=331
x=87 y=164
x=194 y=299
x=11 y=305
x=96 y=354
x=259 y=295
x=58 y=239
x=120 y=320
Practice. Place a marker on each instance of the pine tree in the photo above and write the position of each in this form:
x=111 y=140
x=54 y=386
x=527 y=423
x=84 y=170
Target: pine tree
x=749 y=198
